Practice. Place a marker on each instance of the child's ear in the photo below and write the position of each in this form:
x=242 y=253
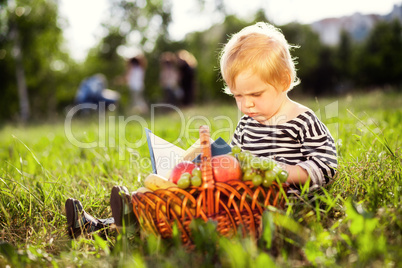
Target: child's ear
x=286 y=80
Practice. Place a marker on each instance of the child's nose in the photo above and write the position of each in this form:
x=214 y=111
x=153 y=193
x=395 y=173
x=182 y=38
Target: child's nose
x=249 y=103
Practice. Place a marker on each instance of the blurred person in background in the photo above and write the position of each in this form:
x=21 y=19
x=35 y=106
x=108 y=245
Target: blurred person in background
x=169 y=78
x=187 y=64
x=93 y=90
x=135 y=80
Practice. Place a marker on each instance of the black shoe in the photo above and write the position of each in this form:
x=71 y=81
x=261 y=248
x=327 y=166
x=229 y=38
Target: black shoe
x=122 y=209
x=78 y=221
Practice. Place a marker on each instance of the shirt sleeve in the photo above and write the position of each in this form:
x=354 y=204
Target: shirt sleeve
x=318 y=147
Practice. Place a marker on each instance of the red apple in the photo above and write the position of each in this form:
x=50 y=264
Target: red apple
x=226 y=168
x=180 y=168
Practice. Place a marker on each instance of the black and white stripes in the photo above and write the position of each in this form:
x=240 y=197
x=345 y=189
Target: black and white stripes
x=303 y=141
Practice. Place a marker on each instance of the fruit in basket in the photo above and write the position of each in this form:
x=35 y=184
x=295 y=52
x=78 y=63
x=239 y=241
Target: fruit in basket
x=184 y=182
x=267 y=164
x=196 y=181
x=143 y=190
x=196 y=172
x=266 y=182
x=269 y=177
x=260 y=170
x=257 y=180
x=283 y=176
x=179 y=169
x=245 y=157
x=226 y=168
x=248 y=174
x=255 y=163
x=155 y=182
x=196 y=177
x=236 y=149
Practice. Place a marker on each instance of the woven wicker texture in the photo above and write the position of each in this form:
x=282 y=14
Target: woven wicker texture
x=234 y=205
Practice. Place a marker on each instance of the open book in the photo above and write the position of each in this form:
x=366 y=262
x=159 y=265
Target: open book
x=165 y=155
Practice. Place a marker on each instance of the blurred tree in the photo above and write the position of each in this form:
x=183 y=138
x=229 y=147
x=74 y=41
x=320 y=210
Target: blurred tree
x=206 y=46
x=146 y=19
x=30 y=58
x=308 y=56
x=344 y=62
x=132 y=27
x=313 y=59
x=19 y=69
x=381 y=55
x=324 y=74
x=104 y=57
x=31 y=47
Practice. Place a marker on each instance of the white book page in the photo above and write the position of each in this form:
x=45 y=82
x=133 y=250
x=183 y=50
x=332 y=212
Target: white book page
x=166 y=154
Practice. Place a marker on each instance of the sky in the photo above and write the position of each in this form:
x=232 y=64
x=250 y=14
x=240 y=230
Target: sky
x=84 y=17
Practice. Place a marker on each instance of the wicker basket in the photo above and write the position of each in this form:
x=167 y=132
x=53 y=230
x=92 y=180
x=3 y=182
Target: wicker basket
x=233 y=205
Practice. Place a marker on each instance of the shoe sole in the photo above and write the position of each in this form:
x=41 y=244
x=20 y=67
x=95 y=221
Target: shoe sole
x=116 y=204
x=70 y=214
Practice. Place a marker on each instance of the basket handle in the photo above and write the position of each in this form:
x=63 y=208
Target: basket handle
x=208 y=182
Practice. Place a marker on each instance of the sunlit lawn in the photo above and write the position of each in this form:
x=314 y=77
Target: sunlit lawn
x=44 y=164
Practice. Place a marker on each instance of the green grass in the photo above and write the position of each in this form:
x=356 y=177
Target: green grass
x=356 y=221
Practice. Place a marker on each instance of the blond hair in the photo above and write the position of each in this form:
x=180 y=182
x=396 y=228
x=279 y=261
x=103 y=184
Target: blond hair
x=262 y=49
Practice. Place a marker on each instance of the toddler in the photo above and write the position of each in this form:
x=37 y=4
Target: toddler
x=259 y=71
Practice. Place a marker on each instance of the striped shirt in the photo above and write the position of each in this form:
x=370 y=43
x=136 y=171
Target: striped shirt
x=304 y=141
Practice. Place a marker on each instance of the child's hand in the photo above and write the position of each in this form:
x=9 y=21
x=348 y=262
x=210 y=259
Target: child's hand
x=296 y=174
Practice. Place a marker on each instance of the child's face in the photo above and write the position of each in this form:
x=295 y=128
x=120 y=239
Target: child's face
x=257 y=98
